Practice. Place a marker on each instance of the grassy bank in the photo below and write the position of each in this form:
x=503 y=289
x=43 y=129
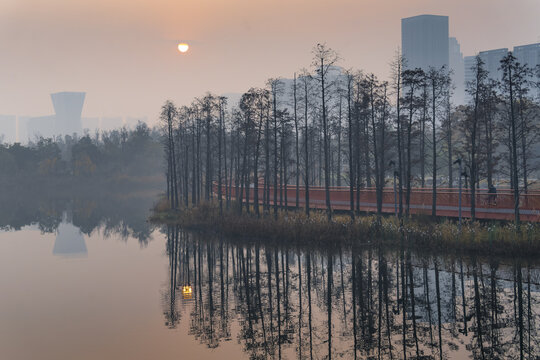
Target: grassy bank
x=418 y=232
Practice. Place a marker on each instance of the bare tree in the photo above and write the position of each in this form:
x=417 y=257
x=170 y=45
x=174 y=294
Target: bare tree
x=378 y=106
x=338 y=132
x=168 y=117
x=475 y=88
x=490 y=100
x=397 y=78
x=423 y=121
x=208 y=104
x=323 y=60
x=296 y=148
x=439 y=81
x=259 y=101
x=527 y=132
x=412 y=80
x=222 y=102
x=509 y=65
x=350 y=83
x=305 y=78
x=276 y=88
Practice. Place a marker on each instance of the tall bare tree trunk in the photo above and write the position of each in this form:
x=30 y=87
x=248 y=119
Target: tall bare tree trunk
x=256 y=169
x=297 y=151
x=220 y=134
x=306 y=145
x=338 y=172
x=274 y=101
x=508 y=62
x=449 y=143
x=326 y=140
x=350 y=143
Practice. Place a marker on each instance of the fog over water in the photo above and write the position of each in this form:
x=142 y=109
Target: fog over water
x=107 y=284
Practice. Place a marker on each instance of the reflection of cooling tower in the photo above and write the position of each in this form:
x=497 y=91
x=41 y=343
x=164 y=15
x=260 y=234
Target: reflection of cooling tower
x=69 y=241
x=68 y=107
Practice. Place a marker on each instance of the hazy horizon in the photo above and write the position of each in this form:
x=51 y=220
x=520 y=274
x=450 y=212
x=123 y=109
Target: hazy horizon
x=124 y=56
x=344 y=216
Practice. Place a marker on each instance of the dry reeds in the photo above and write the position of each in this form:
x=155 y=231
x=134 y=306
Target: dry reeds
x=296 y=228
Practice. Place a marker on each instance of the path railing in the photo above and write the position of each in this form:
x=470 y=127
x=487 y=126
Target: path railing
x=499 y=206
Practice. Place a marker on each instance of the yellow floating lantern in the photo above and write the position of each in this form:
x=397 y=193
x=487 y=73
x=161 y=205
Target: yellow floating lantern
x=187 y=292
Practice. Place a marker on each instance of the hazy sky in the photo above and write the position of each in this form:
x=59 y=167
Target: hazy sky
x=123 y=52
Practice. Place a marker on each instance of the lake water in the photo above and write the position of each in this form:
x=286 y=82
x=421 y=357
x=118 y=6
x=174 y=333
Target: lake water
x=102 y=287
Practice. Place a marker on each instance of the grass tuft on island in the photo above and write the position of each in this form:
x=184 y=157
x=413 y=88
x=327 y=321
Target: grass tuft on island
x=295 y=228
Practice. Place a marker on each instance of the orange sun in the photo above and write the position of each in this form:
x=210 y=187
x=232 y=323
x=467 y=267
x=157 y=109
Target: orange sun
x=183 y=47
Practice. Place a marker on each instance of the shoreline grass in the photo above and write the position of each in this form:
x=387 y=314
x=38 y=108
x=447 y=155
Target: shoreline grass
x=295 y=228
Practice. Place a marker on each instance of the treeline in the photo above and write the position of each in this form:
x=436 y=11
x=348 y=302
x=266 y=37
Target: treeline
x=333 y=127
x=106 y=155
x=110 y=211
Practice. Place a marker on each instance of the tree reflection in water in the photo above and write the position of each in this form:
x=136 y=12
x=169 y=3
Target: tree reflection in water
x=122 y=214
x=351 y=303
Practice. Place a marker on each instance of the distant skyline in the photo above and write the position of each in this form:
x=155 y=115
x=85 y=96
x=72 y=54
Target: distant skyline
x=123 y=54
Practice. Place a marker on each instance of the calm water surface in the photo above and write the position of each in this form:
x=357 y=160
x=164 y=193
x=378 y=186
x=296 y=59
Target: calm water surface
x=96 y=287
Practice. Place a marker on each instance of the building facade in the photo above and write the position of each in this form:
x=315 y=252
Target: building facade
x=492 y=62
x=457 y=67
x=469 y=62
x=8 y=129
x=530 y=55
x=424 y=41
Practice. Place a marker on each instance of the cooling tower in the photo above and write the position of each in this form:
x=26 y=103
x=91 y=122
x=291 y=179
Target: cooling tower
x=68 y=108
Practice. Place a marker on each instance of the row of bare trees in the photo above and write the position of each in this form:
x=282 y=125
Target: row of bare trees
x=329 y=126
x=501 y=127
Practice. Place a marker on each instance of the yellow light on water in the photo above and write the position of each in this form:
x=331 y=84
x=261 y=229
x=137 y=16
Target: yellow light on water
x=187 y=292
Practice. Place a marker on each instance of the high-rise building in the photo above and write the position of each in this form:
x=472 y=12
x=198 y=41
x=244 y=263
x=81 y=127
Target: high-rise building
x=8 y=129
x=529 y=55
x=22 y=128
x=66 y=121
x=68 y=108
x=469 y=62
x=457 y=67
x=424 y=41
x=492 y=62
x=40 y=126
